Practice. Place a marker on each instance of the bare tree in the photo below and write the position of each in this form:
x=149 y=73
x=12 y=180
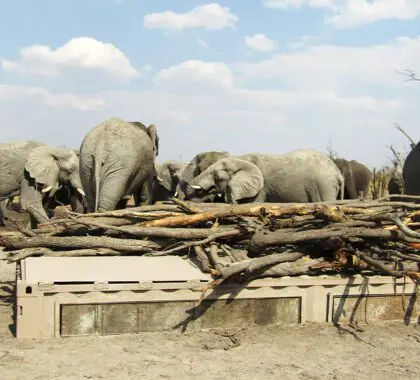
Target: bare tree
x=331 y=152
x=412 y=143
x=410 y=74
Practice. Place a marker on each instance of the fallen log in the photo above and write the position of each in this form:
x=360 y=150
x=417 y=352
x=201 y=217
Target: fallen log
x=209 y=239
x=171 y=233
x=263 y=238
x=247 y=210
x=203 y=259
x=76 y=242
x=21 y=254
x=244 y=270
x=415 y=276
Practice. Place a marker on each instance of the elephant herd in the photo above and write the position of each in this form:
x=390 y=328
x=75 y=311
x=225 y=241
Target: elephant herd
x=117 y=160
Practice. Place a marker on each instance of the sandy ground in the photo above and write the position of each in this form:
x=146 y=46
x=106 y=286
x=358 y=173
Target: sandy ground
x=380 y=351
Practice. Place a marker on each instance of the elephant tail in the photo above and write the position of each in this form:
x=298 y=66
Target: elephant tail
x=341 y=182
x=97 y=174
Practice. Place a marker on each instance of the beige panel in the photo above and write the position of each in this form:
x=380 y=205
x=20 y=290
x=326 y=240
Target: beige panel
x=114 y=268
x=119 y=318
x=106 y=319
x=85 y=319
x=362 y=309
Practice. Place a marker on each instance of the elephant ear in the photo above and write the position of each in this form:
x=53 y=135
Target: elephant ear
x=152 y=132
x=246 y=183
x=42 y=166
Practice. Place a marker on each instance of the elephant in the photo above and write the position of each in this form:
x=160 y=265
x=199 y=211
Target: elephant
x=65 y=195
x=197 y=165
x=117 y=161
x=300 y=176
x=395 y=182
x=411 y=171
x=169 y=174
x=3 y=210
x=356 y=176
x=35 y=170
x=238 y=180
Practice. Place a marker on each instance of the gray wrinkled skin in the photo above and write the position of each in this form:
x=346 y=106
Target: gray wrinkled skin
x=117 y=161
x=356 y=176
x=238 y=180
x=411 y=172
x=301 y=176
x=169 y=174
x=197 y=165
x=27 y=167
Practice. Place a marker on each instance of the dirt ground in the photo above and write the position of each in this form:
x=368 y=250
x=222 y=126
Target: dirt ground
x=380 y=351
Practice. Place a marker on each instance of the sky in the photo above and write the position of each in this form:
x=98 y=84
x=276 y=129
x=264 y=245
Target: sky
x=244 y=76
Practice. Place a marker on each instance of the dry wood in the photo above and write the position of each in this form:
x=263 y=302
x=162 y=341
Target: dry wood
x=415 y=276
x=76 y=242
x=246 y=269
x=263 y=238
x=187 y=206
x=248 y=210
x=203 y=259
x=213 y=237
x=171 y=233
x=293 y=268
x=214 y=257
x=21 y=254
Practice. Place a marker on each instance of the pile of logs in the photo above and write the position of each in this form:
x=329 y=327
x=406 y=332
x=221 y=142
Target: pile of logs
x=242 y=242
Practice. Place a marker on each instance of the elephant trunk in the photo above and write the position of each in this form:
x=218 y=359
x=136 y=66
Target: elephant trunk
x=76 y=182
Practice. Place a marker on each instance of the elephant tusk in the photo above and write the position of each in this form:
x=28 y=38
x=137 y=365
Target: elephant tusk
x=80 y=191
x=46 y=189
x=159 y=179
x=196 y=187
x=176 y=194
x=220 y=195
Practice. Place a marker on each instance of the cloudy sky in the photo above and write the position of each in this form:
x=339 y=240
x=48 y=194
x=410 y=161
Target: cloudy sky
x=238 y=75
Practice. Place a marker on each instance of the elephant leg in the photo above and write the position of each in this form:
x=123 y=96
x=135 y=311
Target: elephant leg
x=112 y=191
x=76 y=202
x=3 y=211
x=31 y=200
x=122 y=204
x=144 y=194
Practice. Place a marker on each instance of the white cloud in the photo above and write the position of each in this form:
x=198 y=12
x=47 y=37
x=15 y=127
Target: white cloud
x=260 y=43
x=286 y=4
x=193 y=75
x=350 y=13
x=351 y=95
x=302 y=41
x=39 y=94
x=202 y=43
x=340 y=68
x=80 y=53
x=358 y=12
x=209 y=16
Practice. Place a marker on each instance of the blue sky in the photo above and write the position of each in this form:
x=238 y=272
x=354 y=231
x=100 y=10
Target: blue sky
x=245 y=76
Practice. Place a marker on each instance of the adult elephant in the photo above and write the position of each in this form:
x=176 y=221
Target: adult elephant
x=357 y=177
x=411 y=172
x=197 y=165
x=34 y=170
x=116 y=161
x=169 y=174
x=63 y=196
x=300 y=176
